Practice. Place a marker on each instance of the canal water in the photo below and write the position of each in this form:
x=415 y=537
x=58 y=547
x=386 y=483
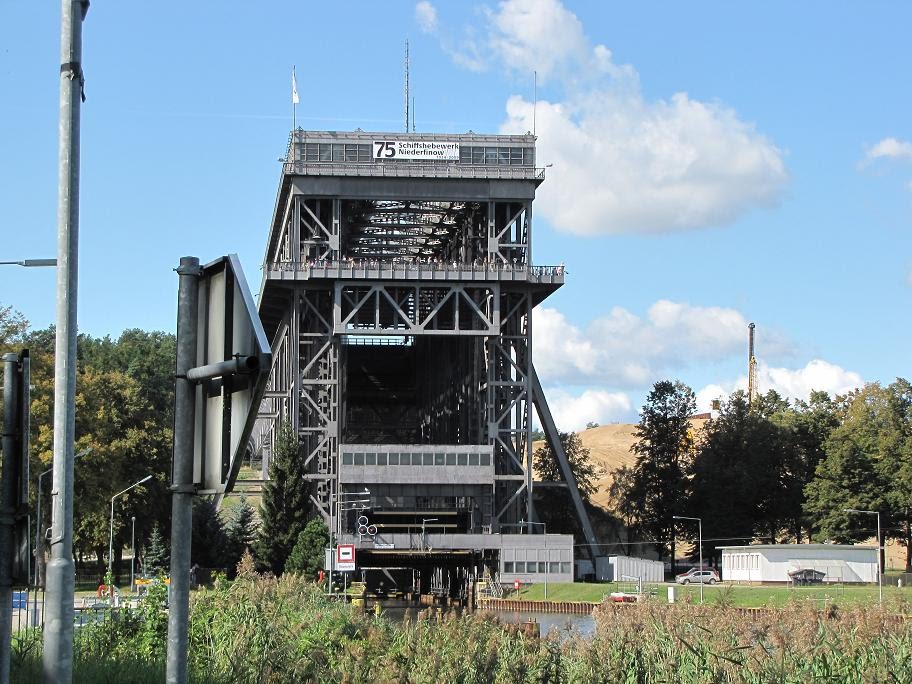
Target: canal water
x=561 y=624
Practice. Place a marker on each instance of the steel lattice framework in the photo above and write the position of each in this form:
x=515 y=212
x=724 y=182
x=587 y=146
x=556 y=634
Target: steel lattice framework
x=398 y=296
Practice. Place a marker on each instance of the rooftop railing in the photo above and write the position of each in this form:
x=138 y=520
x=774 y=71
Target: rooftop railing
x=413 y=170
x=377 y=269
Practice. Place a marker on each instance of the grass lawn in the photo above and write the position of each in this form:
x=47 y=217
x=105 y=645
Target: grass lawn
x=737 y=595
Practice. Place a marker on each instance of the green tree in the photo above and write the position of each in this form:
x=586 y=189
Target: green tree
x=806 y=426
x=656 y=488
x=13 y=327
x=621 y=504
x=740 y=477
x=545 y=463
x=553 y=505
x=240 y=530
x=867 y=466
x=285 y=503
x=209 y=543
x=307 y=556
x=157 y=557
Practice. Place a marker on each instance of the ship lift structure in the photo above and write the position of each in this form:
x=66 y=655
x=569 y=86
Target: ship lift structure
x=397 y=294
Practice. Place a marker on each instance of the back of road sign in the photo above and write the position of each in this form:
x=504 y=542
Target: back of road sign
x=226 y=408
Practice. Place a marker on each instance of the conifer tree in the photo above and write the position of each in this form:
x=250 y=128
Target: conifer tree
x=209 y=544
x=241 y=531
x=285 y=505
x=158 y=556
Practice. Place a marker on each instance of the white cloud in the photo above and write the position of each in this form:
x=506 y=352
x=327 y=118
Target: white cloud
x=816 y=375
x=622 y=164
x=796 y=383
x=574 y=412
x=625 y=165
x=426 y=16
x=626 y=350
x=710 y=393
x=530 y=35
x=890 y=148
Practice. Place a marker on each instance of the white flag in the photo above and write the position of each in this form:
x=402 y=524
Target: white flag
x=294 y=89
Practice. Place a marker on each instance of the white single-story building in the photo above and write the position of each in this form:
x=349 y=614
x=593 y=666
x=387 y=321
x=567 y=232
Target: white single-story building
x=773 y=562
x=617 y=568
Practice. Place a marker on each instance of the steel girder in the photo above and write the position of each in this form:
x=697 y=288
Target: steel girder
x=378 y=308
x=315 y=229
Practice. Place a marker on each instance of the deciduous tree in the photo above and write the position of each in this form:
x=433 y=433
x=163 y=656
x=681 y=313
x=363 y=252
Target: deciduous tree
x=307 y=556
x=656 y=489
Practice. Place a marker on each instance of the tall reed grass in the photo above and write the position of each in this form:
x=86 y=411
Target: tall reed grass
x=267 y=630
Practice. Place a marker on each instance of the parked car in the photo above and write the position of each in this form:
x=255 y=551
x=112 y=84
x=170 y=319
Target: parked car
x=698 y=576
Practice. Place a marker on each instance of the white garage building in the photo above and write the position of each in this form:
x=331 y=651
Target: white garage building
x=773 y=562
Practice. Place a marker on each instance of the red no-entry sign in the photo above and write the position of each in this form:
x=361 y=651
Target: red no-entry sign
x=345 y=557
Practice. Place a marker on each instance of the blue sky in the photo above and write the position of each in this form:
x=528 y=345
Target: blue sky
x=714 y=164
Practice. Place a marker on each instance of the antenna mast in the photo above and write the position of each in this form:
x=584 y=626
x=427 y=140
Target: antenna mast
x=751 y=367
x=406 y=87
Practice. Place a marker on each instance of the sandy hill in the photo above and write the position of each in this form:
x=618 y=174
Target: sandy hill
x=609 y=448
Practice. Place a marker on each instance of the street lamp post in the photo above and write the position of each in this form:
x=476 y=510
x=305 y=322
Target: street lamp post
x=547 y=559
x=879 y=551
x=111 y=537
x=133 y=555
x=39 y=546
x=30 y=262
x=699 y=543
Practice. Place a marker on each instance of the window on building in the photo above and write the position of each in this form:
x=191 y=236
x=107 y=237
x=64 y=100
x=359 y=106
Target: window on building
x=370 y=459
x=347 y=458
x=359 y=459
x=473 y=459
x=451 y=459
x=393 y=459
x=463 y=459
x=381 y=459
x=508 y=566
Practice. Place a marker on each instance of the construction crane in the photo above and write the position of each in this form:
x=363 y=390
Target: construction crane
x=751 y=367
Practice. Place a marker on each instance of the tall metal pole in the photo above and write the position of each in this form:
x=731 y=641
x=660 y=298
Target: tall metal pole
x=133 y=555
x=700 y=542
x=111 y=537
x=111 y=546
x=880 y=551
x=39 y=532
x=58 y=632
x=182 y=487
x=39 y=547
x=7 y=509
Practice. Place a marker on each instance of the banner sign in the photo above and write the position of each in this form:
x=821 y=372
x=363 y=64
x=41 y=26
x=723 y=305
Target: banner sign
x=424 y=150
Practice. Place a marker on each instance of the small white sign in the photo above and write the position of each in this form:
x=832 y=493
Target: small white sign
x=381 y=545
x=345 y=557
x=423 y=150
